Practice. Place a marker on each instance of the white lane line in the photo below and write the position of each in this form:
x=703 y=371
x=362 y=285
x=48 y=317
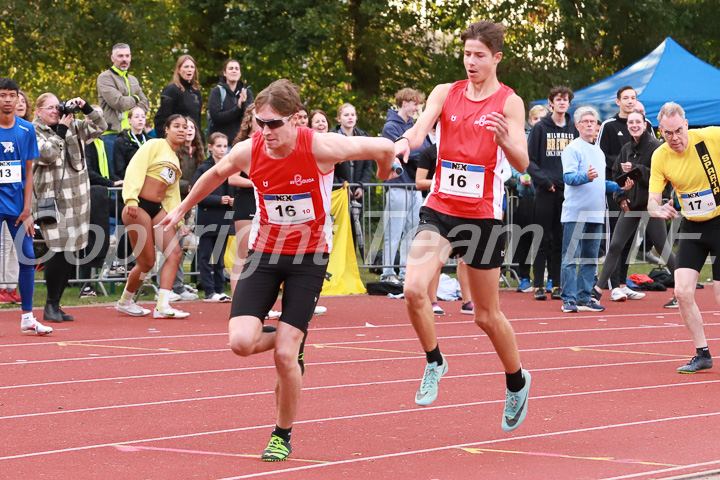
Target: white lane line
x=486 y=442
x=363 y=327
x=348 y=385
x=671 y=469
x=488 y=352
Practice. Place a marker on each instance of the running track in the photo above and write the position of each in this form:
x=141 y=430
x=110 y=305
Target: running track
x=115 y=397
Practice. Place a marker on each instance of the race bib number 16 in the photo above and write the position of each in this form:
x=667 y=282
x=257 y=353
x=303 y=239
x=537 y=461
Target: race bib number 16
x=289 y=209
x=462 y=179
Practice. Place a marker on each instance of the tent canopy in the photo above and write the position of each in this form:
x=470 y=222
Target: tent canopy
x=668 y=73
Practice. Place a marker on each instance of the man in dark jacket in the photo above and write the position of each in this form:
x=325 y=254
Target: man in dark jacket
x=547 y=139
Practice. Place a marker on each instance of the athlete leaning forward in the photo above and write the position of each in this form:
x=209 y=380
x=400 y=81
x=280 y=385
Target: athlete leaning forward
x=292 y=171
x=481 y=130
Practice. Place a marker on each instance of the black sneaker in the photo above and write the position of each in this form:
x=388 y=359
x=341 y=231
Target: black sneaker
x=269 y=329
x=696 y=364
x=540 y=294
x=595 y=294
x=277 y=450
x=556 y=293
x=672 y=303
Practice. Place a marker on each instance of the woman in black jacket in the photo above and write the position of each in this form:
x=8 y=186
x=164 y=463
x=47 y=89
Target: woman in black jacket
x=129 y=141
x=637 y=153
x=213 y=225
x=228 y=101
x=182 y=96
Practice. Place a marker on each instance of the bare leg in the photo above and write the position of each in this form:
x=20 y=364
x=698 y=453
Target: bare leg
x=484 y=289
x=464 y=280
x=289 y=375
x=685 y=284
x=428 y=253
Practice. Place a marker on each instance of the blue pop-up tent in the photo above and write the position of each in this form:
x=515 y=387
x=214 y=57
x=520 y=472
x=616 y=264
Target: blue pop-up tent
x=668 y=73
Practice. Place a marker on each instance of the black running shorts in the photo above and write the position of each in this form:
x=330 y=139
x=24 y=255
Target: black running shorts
x=259 y=285
x=696 y=241
x=480 y=242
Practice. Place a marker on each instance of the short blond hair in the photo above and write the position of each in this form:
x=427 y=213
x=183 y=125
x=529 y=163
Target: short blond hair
x=408 y=95
x=670 y=109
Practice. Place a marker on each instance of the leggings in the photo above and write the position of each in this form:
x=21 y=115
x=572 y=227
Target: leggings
x=57 y=273
x=625 y=228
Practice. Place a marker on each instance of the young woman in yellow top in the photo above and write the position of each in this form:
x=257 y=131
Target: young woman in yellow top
x=151 y=189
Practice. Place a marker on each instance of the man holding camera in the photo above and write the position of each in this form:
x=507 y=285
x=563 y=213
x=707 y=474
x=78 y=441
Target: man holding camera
x=118 y=92
x=19 y=149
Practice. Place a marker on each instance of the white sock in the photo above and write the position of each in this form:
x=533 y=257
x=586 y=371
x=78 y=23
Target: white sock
x=27 y=317
x=126 y=297
x=163 y=301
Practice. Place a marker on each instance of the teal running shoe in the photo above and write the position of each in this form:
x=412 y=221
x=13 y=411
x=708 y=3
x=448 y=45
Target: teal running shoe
x=516 y=405
x=428 y=391
x=277 y=450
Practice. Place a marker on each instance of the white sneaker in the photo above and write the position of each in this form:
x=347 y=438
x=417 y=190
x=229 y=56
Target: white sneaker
x=132 y=309
x=225 y=298
x=319 y=310
x=617 y=295
x=190 y=289
x=33 y=326
x=215 y=298
x=273 y=314
x=632 y=294
x=170 y=312
x=186 y=296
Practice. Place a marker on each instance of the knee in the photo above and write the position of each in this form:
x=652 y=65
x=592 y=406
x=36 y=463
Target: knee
x=685 y=294
x=241 y=344
x=144 y=264
x=485 y=319
x=286 y=360
x=415 y=294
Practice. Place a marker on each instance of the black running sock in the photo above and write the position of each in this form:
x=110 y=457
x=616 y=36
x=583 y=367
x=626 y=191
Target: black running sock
x=515 y=381
x=283 y=433
x=703 y=352
x=434 y=356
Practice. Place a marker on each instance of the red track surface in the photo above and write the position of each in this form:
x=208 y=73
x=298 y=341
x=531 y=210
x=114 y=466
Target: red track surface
x=115 y=397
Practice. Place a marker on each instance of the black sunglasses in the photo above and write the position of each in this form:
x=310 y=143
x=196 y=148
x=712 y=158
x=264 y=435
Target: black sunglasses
x=272 y=124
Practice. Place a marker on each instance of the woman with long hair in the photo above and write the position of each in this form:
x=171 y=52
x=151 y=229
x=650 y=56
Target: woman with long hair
x=150 y=190
x=61 y=173
x=182 y=96
x=228 y=101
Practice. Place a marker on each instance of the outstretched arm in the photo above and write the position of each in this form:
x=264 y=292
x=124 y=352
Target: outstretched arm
x=416 y=135
x=332 y=148
x=238 y=159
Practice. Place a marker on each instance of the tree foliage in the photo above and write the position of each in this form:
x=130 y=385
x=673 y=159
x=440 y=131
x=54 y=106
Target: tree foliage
x=358 y=51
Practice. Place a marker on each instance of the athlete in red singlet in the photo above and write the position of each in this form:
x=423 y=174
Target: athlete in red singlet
x=291 y=170
x=481 y=131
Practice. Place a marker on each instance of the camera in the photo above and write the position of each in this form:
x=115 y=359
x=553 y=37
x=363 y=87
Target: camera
x=67 y=109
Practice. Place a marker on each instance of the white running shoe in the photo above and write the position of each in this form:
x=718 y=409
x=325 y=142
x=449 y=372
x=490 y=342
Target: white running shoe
x=632 y=294
x=170 y=312
x=132 y=309
x=273 y=314
x=185 y=296
x=190 y=288
x=617 y=295
x=215 y=298
x=319 y=310
x=33 y=326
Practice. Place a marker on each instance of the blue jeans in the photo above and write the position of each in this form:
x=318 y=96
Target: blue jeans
x=109 y=141
x=580 y=241
x=401 y=217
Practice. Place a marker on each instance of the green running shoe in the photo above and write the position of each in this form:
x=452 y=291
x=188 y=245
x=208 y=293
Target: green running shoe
x=277 y=450
x=516 y=405
x=428 y=391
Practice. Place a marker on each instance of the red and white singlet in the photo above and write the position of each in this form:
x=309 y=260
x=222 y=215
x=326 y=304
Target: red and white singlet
x=293 y=200
x=467 y=182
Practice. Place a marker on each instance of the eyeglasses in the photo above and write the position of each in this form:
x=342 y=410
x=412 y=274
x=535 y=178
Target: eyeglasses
x=669 y=134
x=274 y=123
x=588 y=122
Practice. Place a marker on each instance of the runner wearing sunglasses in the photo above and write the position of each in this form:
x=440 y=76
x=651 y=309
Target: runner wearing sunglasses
x=291 y=170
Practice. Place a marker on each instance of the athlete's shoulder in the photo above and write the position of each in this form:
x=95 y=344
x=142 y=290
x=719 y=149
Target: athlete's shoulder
x=24 y=125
